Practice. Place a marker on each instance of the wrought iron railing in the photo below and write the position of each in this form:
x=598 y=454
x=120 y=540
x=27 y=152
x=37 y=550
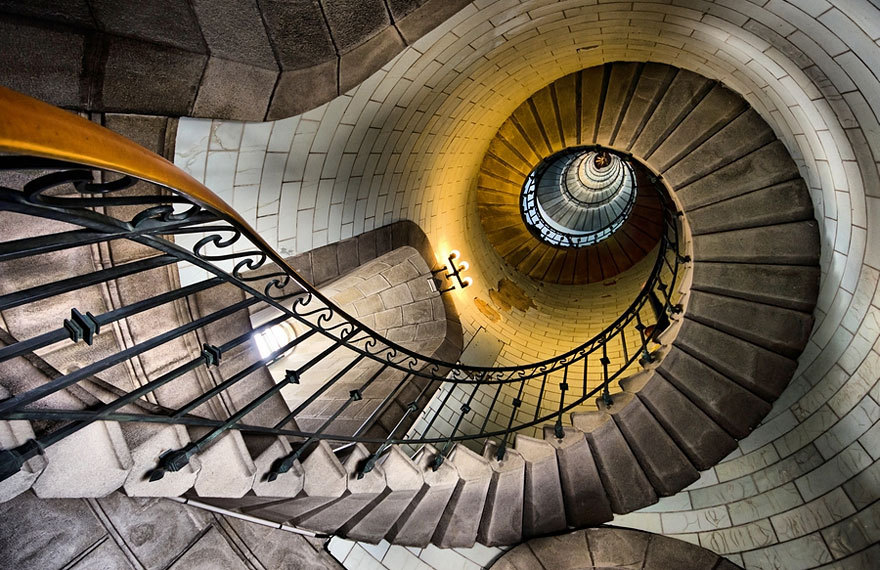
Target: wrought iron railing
x=103 y=190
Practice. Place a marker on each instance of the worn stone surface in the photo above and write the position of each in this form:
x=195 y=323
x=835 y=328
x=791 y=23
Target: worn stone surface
x=617 y=548
x=625 y=483
x=458 y=526
x=781 y=203
x=502 y=520
x=791 y=286
x=36 y=533
x=57 y=54
x=664 y=464
x=148 y=78
x=759 y=370
x=404 y=480
x=685 y=91
x=699 y=437
x=586 y=503
x=417 y=523
x=93 y=462
x=719 y=106
x=666 y=552
x=543 y=503
x=781 y=330
x=731 y=406
x=793 y=244
x=234 y=90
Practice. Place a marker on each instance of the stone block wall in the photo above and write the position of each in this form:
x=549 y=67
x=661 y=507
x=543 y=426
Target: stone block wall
x=249 y=60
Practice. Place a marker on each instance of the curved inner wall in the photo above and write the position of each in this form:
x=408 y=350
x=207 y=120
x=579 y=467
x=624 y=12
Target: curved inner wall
x=407 y=143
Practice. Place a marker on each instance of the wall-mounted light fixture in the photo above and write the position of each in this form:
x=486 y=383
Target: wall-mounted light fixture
x=453 y=270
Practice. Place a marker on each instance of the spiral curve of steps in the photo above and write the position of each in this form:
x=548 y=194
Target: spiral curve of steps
x=747 y=318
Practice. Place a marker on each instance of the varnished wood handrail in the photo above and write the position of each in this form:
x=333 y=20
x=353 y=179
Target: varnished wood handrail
x=35 y=128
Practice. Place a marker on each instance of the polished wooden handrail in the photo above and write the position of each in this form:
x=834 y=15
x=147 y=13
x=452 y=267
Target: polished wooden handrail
x=31 y=127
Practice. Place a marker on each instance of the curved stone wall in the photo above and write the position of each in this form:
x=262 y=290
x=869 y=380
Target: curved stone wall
x=238 y=59
x=802 y=490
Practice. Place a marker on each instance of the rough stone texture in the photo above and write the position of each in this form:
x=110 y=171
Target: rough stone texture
x=714 y=111
x=685 y=91
x=234 y=90
x=741 y=136
x=148 y=78
x=794 y=244
x=666 y=552
x=586 y=503
x=234 y=31
x=93 y=462
x=760 y=168
x=664 y=464
x=780 y=330
x=732 y=407
x=404 y=480
x=757 y=369
x=363 y=60
x=354 y=22
x=299 y=90
x=543 y=504
x=415 y=18
x=227 y=468
x=518 y=558
x=325 y=481
x=791 y=286
x=57 y=54
x=502 y=520
x=458 y=526
x=778 y=204
x=145 y=457
x=699 y=437
x=417 y=523
x=13 y=434
x=625 y=483
x=363 y=493
x=612 y=547
x=567 y=551
x=287 y=485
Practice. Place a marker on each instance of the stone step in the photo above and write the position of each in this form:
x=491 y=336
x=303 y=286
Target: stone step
x=93 y=462
x=543 y=504
x=781 y=203
x=502 y=521
x=790 y=286
x=147 y=442
x=227 y=469
x=586 y=503
x=790 y=244
x=665 y=465
x=701 y=439
x=403 y=479
x=417 y=523
x=757 y=369
x=362 y=492
x=621 y=81
x=719 y=107
x=766 y=166
x=324 y=480
x=685 y=91
x=783 y=331
x=730 y=405
x=460 y=522
x=625 y=483
x=12 y=434
x=653 y=81
x=744 y=134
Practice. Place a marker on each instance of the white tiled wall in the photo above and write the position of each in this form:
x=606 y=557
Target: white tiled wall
x=407 y=142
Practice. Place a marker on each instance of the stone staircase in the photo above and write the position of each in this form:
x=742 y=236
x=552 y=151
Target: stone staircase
x=747 y=318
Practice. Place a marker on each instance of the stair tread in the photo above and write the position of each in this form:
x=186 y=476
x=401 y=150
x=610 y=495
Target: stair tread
x=624 y=480
x=701 y=439
x=543 y=503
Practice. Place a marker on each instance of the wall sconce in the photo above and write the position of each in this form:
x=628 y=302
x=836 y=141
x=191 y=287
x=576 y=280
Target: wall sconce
x=454 y=270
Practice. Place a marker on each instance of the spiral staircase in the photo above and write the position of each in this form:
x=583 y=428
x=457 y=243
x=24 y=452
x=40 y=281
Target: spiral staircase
x=736 y=325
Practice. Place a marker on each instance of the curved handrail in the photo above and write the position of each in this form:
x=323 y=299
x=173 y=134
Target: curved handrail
x=68 y=143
